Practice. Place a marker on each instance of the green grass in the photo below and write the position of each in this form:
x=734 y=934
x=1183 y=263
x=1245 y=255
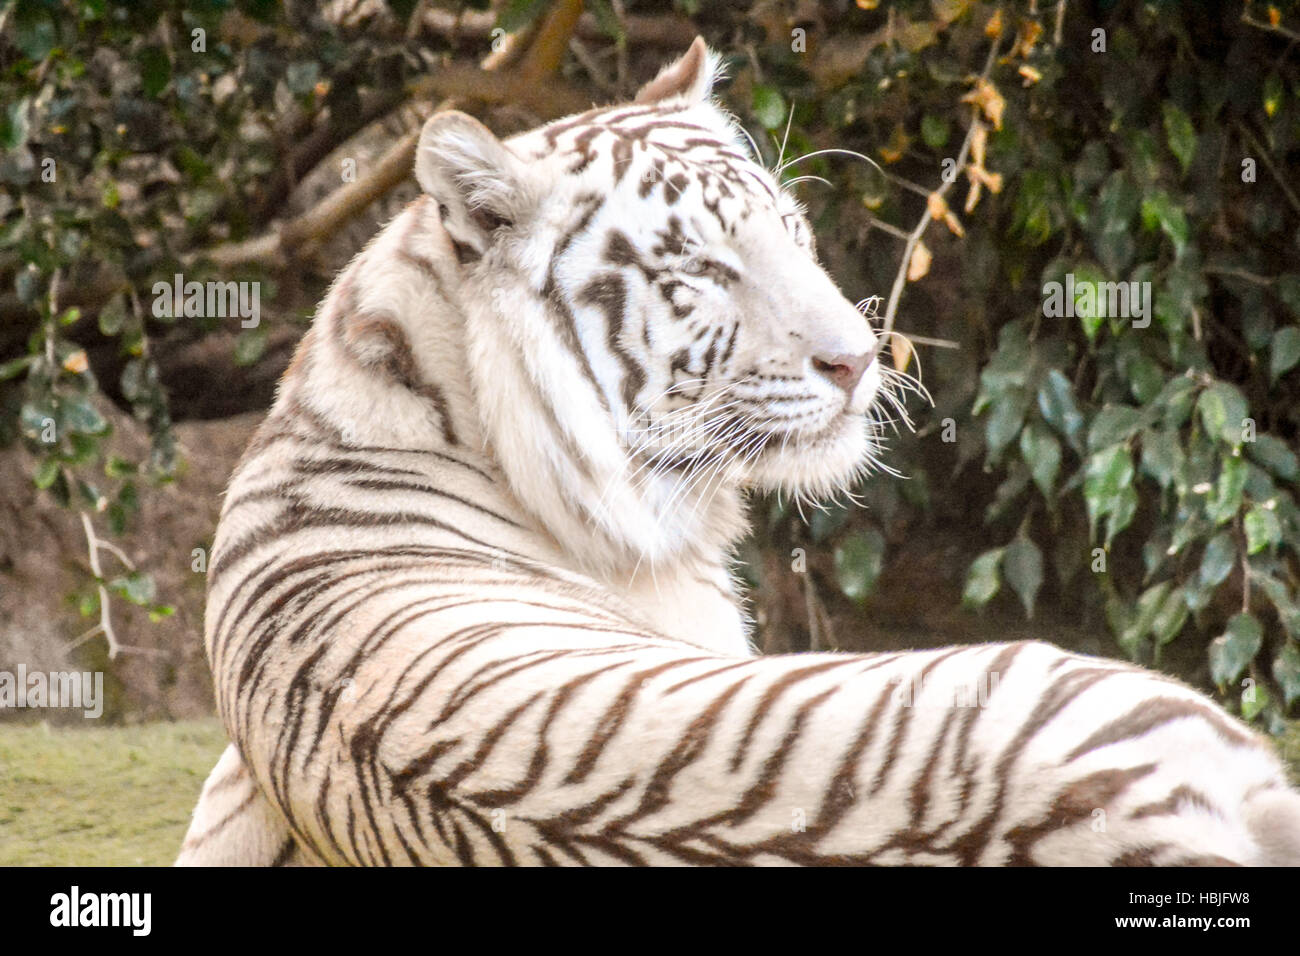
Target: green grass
x=105 y=796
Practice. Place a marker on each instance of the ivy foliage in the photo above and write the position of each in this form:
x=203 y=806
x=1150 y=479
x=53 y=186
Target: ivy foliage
x=1139 y=467
x=1144 y=458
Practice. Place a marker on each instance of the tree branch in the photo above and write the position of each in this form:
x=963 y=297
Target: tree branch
x=457 y=81
x=914 y=237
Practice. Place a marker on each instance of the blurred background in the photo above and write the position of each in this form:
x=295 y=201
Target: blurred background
x=1117 y=485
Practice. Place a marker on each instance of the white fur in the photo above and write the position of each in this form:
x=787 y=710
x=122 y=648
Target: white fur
x=636 y=564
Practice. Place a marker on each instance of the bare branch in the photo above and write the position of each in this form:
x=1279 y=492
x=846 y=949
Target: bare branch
x=914 y=238
x=105 y=626
x=457 y=81
x=1280 y=30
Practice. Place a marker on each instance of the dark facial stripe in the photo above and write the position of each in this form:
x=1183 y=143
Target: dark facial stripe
x=609 y=294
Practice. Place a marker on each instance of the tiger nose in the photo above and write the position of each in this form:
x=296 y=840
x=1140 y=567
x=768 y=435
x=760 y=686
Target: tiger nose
x=844 y=370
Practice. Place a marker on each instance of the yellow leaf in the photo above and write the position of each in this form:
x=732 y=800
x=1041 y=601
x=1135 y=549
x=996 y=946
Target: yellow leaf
x=1031 y=75
x=976 y=189
x=1027 y=36
x=920 y=264
x=1274 y=15
x=992 y=180
x=893 y=151
x=979 y=141
x=900 y=350
x=868 y=4
x=954 y=226
x=990 y=102
x=994 y=27
x=937 y=205
x=76 y=362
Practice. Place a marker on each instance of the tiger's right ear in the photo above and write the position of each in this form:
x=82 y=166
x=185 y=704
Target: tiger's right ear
x=477 y=183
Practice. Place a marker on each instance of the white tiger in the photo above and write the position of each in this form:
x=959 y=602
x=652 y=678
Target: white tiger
x=470 y=599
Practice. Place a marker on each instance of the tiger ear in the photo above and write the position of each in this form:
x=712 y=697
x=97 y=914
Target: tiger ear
x=689 y=78
x=477 y=182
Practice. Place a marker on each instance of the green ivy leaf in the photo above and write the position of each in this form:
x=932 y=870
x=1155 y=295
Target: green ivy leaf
x=1121 y=514
x=1274 y=455
x=982 y=581
x=14 y=367
x=934 y=130
x=1272 y=94
x=137 y=587
x=1162 y=456
x=1139 y=625
x=1087 y=282
x=858 y=560
x=1058 y=408
x=1216 y=563
x=1006 y=415
x=81 y=416
x=155 y=70
x=1042 y=452
x=1022 y=565
x=1288 y=290
x=1226 y=500
x=1159 y=209
x=46 y=473
x=13 y=124
x=1232 y=651
x=1180 y=134
x=769 y=107
x=1286 y=671
x=1107 y=475
x=1263 y=530
x=160 y=611
x=1288 y=613
x=1284 y=352
x=33 y=31
x=826 y=521
x=301 y=77
x=251 y=345
x=1254 y=699
x=1114 y=423
x=1223 y=409
x=1169 y=620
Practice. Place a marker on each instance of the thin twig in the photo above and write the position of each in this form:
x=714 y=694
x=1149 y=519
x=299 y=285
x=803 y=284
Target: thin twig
x=105 y=618
x=115 y=550
x=1250 y=21
x=1239 y=274
x=914 y=238
x=1268 y=164
x=888 y=228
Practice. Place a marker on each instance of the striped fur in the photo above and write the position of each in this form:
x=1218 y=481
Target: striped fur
x=470 y=600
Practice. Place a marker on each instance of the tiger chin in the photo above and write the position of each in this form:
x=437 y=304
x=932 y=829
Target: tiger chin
x=470 y=599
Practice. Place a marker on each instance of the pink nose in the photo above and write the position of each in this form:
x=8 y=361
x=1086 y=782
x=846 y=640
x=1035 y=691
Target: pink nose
x=844 y=370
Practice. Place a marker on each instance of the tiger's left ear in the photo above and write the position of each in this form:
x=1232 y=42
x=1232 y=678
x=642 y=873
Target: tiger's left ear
x=689 y=79
x=479 y=185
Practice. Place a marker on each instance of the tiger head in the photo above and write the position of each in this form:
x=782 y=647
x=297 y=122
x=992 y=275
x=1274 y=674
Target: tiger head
x=650 y=332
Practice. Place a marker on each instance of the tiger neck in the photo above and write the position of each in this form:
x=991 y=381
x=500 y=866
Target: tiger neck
x=397 y=358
